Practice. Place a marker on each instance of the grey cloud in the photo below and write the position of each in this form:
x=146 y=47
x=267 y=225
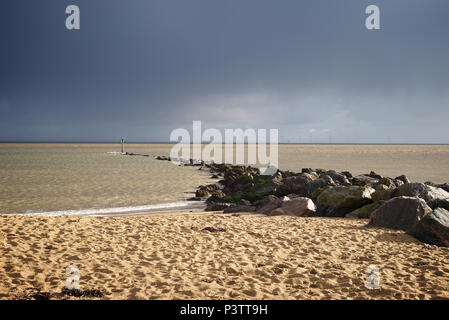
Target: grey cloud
x=143 y=68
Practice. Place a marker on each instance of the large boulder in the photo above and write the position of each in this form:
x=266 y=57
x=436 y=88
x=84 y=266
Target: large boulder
x=302 y=178
x=338 y=177
x=401 y=213
x=398 y=182
x=382 y=193
x=296 y=206
x=264 y=191
x=347 y=174
x=433 y=228
x=444 y=186
x=362 y=180
x=444 y=203
x=264 y=201
x=299 y=207
x=207 y=190
x=339 y=200
x=283 y=189
x=295 y=184
x=312 y=188
x=402 y=178
x=372 y=174
x=384 y=189
x=365 y=211
x=421 y=190
x=218 y=196
x=386 y=182
x=271 y=205
x=277 y=178
x=217 y=206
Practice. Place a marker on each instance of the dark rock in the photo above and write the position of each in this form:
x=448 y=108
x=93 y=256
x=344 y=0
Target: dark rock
x=41 y=296
x=403 y=178
x=382 y=193
x=217 y=197
x=302 y=178
x=389 y=183
x=265 y=191
x=439 y=203
x=244 y=202
x=277 y=179
x=262 y=202
x=270 y=206
x=362 y=180
x=286 y=174
x=212 y=229
x=398 y=182
x=340 y=200
x=195 y=199
x=428 y=193
x=347 y=174
x=88 y=293
x=283 y=190
x=433 y=228
x=384 y=189
x=401 y=213
x=444 y=186
x=338 y=177
x=365 y=211
x=372 y=174
x=239 y=208
x=217 y=206
x=295 y=184
x=204 y=191
x=313 y=187
x=201 y=193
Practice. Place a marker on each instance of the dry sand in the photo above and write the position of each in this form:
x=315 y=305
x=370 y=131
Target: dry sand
x=170 y=257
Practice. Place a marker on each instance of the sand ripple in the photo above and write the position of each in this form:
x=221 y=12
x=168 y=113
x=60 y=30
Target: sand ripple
x=171 y=257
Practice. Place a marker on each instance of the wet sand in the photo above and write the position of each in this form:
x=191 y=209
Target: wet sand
x=170 y=256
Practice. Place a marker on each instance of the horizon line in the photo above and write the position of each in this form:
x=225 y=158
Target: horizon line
x=165 y=142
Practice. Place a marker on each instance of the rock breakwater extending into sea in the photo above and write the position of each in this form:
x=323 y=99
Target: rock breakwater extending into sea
x=420 y=209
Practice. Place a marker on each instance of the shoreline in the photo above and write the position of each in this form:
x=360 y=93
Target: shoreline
x=118 y=211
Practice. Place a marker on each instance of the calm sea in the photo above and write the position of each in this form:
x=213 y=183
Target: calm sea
x=90 y=179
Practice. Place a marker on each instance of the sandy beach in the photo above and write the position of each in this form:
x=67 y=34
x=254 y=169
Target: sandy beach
x=224 y=150
x=171 y=256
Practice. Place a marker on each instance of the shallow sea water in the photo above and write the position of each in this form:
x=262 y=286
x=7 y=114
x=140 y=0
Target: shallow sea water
x=62 y=177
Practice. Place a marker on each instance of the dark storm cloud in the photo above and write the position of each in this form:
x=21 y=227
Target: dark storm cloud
x=142 y=68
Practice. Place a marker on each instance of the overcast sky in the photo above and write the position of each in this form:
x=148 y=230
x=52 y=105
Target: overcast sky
x=142 y=68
